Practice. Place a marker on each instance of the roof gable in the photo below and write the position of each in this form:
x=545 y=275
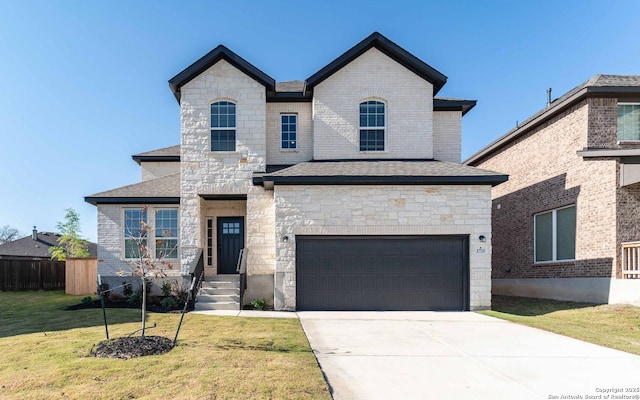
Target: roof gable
x=392 y=50
x=210 y=59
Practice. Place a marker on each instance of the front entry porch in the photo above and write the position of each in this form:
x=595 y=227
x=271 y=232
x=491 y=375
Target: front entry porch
x=223 y=233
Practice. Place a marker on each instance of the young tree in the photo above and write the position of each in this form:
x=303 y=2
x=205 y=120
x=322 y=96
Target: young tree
x=142 y=262
x=8 y=234
x=71 y=245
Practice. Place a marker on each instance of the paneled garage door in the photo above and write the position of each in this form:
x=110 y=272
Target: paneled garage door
x=382 y=273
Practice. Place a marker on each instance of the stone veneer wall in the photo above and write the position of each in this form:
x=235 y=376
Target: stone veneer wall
x=207 y=172
x=383 y=210
x=546 y=173
x=304 y=151
x=155 y=169
x=373 y=76
x=447 y=135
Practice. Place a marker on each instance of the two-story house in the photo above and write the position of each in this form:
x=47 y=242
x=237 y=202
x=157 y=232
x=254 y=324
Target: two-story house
x=566 y=225
x=345 y=190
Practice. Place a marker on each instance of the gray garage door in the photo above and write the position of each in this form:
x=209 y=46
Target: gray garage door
x=382 y=273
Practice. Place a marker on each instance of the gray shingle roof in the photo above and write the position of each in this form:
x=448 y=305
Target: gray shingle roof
x=601 y=85
x=166 y=151
x=27 y=247
x=165 y=154
x=167 y=187
x=383 y=172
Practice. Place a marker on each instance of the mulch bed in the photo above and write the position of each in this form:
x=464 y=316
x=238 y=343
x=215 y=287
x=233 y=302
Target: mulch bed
x=130 y=347
x=122 y=304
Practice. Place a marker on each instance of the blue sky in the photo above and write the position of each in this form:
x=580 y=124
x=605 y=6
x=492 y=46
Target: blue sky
x=84 y=83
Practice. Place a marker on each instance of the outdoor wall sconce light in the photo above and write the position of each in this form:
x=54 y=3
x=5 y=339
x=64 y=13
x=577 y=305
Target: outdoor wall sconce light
x=285 y=239
x=482 y=238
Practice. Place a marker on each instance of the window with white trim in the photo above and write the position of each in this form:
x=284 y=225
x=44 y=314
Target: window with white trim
x=555 y=235
x=223 y=126
x=135 y=232
x=372 y=124
x=289 y=131
x=166 y=231
x=628 y=122
x=161 y=241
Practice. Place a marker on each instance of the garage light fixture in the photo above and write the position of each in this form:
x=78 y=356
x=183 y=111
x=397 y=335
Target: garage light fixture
x=482 y=238
x=285 y=239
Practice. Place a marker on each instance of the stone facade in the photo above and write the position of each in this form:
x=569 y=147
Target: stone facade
x=383 y=210
x=373 y=76
x=216 y=184
x=204 y=172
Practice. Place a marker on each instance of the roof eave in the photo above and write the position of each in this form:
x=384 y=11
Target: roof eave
x=492 y=180
x=454 y=105
x=95 y=200
x=138 y=159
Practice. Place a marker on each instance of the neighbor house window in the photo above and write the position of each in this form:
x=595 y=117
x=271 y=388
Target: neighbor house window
x=223 y=126
x=135 y=232
x=372 y=124
x=555 y=235
x=628 y=121
x=289 y=129
x=166 y=233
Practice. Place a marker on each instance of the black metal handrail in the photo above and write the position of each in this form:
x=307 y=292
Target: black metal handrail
x=197 y=275
x=241 y=269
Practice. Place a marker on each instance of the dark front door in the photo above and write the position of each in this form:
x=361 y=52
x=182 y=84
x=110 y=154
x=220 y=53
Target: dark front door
x=230 y=242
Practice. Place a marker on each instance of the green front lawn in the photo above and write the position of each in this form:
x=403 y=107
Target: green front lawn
x=46 y=355
x=615 y=326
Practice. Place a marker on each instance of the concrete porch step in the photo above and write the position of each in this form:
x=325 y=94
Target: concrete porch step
x=220 y=292
x=217 y=306
x=218 y=298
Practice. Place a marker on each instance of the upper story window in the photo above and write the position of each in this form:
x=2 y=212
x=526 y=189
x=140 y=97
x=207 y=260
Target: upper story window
x=289 y=129
x=372 y=123
x=628 y=121
x=555 y=235
x=223 y=126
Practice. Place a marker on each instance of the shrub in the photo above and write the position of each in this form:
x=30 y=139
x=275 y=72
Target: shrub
x=136 y=298
x=169 y=303
x=166 y=288
x=87 y=300
x=179 y=293
x=127 y=289
x=116 y=297
x=260 y=304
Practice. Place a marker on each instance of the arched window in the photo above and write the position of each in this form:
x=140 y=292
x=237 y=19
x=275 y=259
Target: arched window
x=223 y=126
x=372 y=123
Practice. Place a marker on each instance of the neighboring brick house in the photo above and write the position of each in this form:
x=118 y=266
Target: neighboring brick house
x=570 y=208
x=346 y=189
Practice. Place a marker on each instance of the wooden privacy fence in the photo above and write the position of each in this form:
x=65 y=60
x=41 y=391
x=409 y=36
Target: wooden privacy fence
x=82 y=276
x=23 y=274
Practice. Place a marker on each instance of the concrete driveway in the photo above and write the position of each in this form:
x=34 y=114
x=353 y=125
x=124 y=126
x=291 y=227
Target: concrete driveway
x=430 y=355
